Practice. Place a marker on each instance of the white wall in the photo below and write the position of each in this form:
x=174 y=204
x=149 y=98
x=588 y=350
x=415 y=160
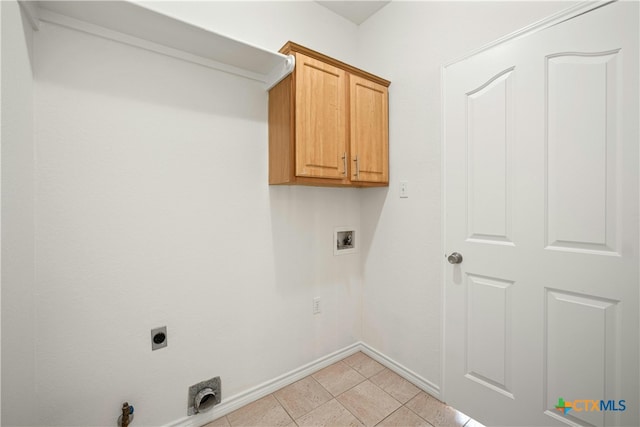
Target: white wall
x=17 y=219
x=0 y=216
x=153 y=208
x=407 y=42
x=269 y=24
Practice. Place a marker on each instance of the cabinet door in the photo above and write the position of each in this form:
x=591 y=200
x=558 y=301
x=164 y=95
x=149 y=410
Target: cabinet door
x=321 y=119
x=369 y=130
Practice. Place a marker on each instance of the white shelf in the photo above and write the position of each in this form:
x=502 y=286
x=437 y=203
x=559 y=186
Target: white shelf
x=139 y=26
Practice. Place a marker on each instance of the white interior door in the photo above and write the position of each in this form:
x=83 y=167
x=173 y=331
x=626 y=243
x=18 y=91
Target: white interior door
x=541 y=201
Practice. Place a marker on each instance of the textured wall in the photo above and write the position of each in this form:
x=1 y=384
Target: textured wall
x=18 y=345
x=153 y=208
x=408 y=42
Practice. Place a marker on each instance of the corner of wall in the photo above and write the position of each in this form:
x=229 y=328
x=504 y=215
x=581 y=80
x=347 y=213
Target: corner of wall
x=17 y=225
x=0 y=215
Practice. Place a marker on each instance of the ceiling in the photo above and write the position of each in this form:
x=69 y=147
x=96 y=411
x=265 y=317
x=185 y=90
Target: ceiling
x=355 y=11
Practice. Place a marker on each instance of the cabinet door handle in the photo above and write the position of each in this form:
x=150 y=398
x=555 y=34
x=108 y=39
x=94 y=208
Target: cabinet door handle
x=344 y=163
x=357 y=174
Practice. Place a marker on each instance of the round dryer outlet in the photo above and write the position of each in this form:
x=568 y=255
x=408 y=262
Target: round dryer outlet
x=204 y=396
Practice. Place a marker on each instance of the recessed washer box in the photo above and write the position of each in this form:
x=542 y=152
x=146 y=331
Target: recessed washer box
x=345 y=240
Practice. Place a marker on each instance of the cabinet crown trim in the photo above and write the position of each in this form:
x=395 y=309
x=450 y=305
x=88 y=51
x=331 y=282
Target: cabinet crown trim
x=292 y=47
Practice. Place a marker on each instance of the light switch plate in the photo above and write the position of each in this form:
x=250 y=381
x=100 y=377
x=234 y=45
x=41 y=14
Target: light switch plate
x=404 y=189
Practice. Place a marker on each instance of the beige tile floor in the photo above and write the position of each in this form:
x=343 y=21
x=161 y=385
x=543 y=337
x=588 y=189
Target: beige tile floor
x=356 y=391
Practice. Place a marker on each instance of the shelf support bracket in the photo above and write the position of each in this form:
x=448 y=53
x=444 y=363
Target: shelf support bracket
x=278 y=73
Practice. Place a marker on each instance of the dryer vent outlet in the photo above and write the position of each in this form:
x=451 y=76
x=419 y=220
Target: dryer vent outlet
x=204 y=396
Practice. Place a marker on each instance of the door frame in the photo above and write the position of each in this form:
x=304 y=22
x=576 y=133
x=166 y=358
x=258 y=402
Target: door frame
x=561 y=16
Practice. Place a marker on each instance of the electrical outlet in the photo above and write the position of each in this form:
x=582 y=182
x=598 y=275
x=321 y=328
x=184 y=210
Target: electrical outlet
x=316 y=305
x=404 y=189
x=159 y=338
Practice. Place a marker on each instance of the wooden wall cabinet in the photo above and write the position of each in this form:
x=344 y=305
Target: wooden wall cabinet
x=328 y=124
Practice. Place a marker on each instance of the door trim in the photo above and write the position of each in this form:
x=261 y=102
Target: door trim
x=564 y=15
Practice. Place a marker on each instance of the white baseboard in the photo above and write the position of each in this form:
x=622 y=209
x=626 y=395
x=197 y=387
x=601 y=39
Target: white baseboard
x=401 y=370
x=232 y=403
x=237 y=401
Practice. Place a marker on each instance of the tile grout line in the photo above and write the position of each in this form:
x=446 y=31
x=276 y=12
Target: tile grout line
x=281 y=405
x=367 y=360
x=332 y=397
x=403 y=406
x=375 y=385
x=361 y=382
x=341 y=361
x=388 y=416
x=414 y=412
x=336 y=397
x=354 y=386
